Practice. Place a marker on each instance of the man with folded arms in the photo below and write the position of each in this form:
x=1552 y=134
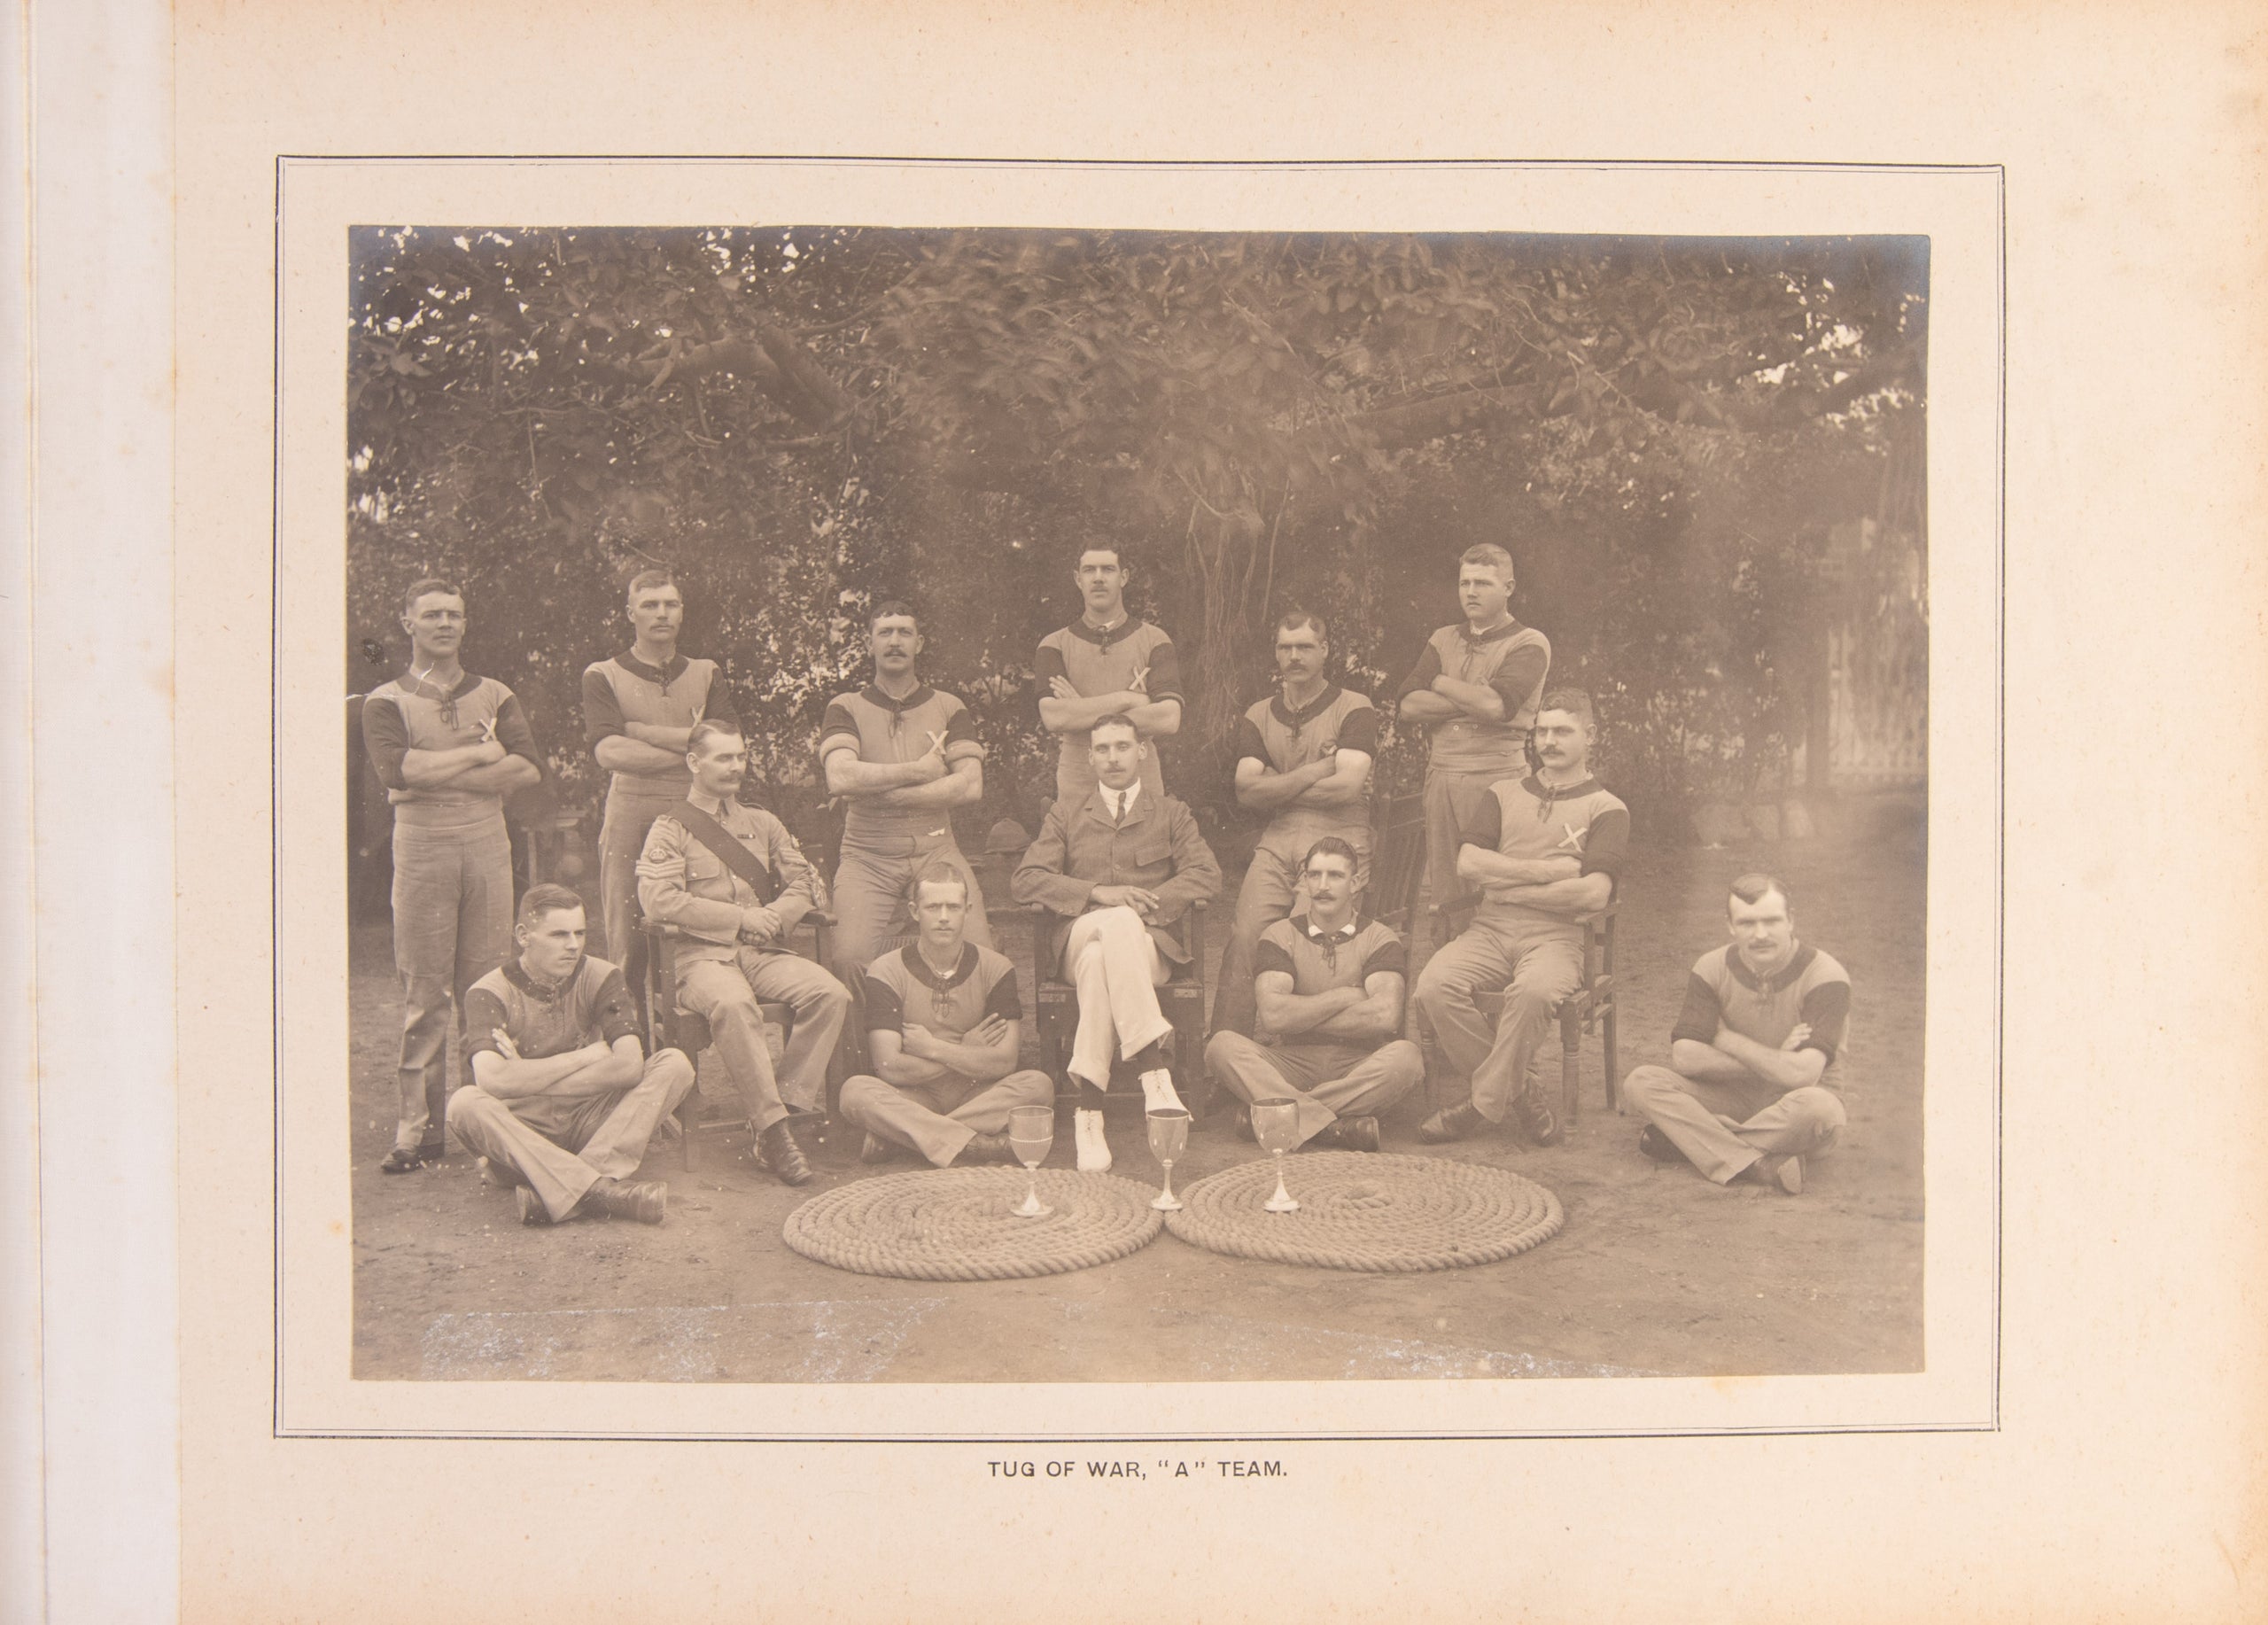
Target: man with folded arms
x=639 y=709
x=1474 y=688
x=1120 y=866
x=564 y=1099
x=1304 y=758
x=449 y=747
x=901 y=756
x=733 y=879
x=943 y=1024
x=1328 y=985
x=1545 y=850
x=1751 y=1088
x=1106 y=663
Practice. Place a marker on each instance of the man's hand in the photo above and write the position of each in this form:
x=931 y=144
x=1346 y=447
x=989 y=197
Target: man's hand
x=986 y=1033
x=1143 y=902
x=1797 y=1036
x=932 y=761
x=511 y=1051
x=1059 y=687
x=918 y=1042
x=758 y=927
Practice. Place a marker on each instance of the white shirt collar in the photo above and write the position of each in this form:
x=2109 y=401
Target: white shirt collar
x=1132 y=793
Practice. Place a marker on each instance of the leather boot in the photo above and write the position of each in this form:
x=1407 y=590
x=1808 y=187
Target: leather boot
x=777 y=1150
x=1346 y=1134
x=987 y=1148
x=646 y=1201
x=1455 y=1123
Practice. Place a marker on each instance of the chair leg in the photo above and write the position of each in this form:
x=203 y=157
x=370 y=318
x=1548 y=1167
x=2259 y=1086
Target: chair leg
x=1570 y=1064
x=1613 y=1073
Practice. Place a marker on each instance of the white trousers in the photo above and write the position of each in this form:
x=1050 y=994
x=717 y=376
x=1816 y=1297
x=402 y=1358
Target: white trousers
x=1109 y=958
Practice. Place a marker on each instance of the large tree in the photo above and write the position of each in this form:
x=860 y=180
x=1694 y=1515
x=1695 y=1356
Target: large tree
x=1663 y=430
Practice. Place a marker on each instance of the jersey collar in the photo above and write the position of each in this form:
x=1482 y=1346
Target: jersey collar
x=518 y=976
x=1345 y=933
x=663 y=675
x=1586 y=785
x=410 y=680
x=1305 y=714
x=1105 y=638
x=874 y=695
x=1494 y=635
x=1799 y=962
x=964 y=969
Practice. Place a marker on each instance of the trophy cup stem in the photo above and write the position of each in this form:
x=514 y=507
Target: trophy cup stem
x=1282 y=1201
x=1165 y=1201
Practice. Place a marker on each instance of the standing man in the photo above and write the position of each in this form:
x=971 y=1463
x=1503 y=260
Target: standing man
x=1304 y=758
x=943 y=1024
x=1751 y=1088
x=1120 y=866
x=1475 y=688
x=564 y=1097
x=449 y=747
x=733 y=879
x=902 y=756
x=1329 y=989
x=1545 y=850
x=1106 y=663
x=639 y=708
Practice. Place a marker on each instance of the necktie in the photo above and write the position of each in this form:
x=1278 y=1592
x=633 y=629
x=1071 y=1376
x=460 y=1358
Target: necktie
x=1118 y=807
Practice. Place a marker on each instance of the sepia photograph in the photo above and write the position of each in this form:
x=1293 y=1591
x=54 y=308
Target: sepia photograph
x=1027 y=806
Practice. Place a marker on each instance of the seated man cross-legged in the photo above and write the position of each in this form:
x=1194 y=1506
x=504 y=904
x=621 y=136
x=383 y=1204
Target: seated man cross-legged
x=1545 y=850
x=1328 y=985
x=1121 y=865
x=564 y=1099
x=1751 y=1087
x=943 y=1025
x=734 y=881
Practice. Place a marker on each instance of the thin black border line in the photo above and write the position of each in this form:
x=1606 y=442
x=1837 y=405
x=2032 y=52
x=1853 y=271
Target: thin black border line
x=285 y=161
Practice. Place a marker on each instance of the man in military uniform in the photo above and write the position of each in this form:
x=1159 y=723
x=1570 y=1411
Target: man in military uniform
x=1304 y=758
x=1328 y=985
x=943 y=1026
x=564 y=1097
x=734 y=881
x=449 y=747
x=1119 y=867
x=639 y=708
x=902 y=756
x=1474 y=688
x=1106 y=663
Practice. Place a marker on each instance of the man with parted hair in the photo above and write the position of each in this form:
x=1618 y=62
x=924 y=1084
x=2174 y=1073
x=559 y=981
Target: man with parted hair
x=1119 y=867
x=639 y=709
x=1753 y=1085
x=733 y=879
x=449 y=747
x=564 y=1097
x=1328 y=985
x=1544 y=849
x=1474 y=689
x=901 y=756
x=1106 y=663
x=1304 y=758
x=943 y=1027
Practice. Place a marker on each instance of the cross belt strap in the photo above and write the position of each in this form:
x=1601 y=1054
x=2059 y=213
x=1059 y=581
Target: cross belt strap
x=727 y=850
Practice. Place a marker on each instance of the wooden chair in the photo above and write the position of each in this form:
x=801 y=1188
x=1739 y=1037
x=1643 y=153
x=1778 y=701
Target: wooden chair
x=669 y=1025
x=1590 y=1008
x=1397 y=860
x=1183 y=999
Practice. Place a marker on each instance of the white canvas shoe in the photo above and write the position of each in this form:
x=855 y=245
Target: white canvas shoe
x=1158 y=1091
x=1094 y=1150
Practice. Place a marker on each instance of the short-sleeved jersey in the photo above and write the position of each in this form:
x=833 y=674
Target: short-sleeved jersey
x=624 y=690
x=591 y=1003
x=1527 y=819
x=1336 y=720
x=882 y=729
x=1103 y=663
x=902 y=988
x=1317 y=961
x=1810 y=988
x=1512 y=659
x=410 y=713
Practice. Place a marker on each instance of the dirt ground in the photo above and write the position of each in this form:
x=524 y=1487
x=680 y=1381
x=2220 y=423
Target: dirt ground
x=1657 y=1272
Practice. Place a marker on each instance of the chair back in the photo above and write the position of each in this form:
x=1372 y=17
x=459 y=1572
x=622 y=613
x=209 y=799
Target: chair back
x=1397 y=859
